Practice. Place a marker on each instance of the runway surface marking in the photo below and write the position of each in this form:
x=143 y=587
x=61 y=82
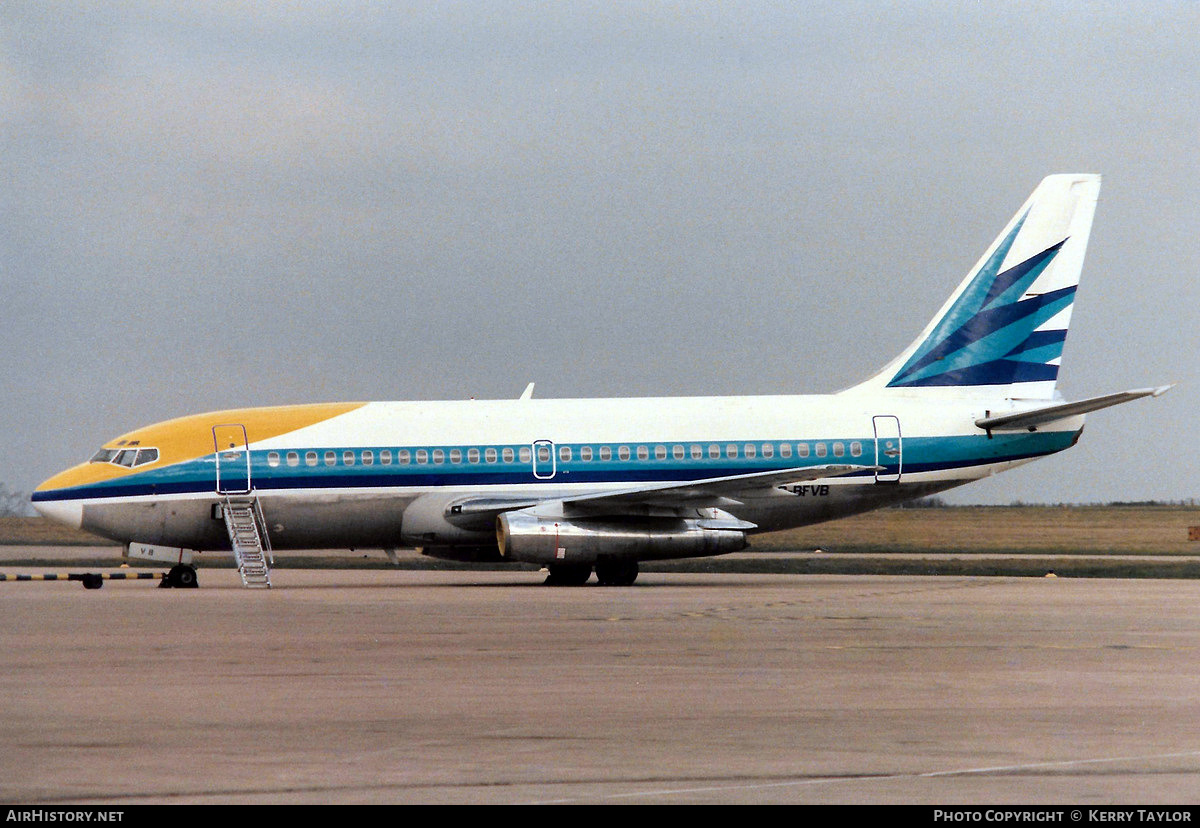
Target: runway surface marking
x=875 y=777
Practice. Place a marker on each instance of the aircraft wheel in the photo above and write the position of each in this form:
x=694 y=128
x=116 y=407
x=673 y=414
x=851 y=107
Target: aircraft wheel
x=568 y=574
x=621 y=573
x=92 y=580
x=183 y=577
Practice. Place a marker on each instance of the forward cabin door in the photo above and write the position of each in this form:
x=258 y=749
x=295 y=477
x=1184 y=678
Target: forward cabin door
x=233 y=459
x=889 y=449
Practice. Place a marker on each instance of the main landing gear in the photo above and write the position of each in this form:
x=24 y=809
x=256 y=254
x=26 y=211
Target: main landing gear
x=616 y=573
x=181 y=576
x=608 y=573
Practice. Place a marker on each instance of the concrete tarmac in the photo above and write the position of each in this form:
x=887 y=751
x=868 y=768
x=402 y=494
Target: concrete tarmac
x=373 y=686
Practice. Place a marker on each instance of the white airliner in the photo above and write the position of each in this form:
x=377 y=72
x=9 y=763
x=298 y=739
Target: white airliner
x=577 y=485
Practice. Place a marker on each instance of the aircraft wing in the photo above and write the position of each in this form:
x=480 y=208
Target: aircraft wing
x=1047 y=414
x=725 y=489
x=713 y=491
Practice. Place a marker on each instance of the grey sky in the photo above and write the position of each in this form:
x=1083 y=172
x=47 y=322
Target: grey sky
x=224 y=204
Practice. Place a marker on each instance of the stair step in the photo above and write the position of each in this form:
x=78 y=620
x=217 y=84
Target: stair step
x=248 y=537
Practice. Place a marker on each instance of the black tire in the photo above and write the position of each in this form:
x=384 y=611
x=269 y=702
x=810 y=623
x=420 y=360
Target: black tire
x=183 y=576
x=568 y=574
x=92 y=580
x=617 y=573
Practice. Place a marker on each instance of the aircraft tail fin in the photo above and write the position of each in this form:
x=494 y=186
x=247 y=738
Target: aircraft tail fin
x=1005 y=325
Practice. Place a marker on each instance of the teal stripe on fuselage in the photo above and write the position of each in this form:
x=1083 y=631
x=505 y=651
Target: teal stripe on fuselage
x=920 y=454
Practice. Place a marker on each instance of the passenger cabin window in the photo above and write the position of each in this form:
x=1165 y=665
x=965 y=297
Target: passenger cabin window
x=310 y=458
x=585 y=454
x=368 y=458
x=439 y=456
x=293 y=458
x=489 y=455
x=455 y=455
x=272 y=458
x=507 y=455
x=385 y=457
x=731 y=451
x=785 y=449
x=623 y=452
x=422 y=456
x=751 y=451
x=473 y=455
x=768 y=450
x=802 y=449
x=856 y=449
x=564 y=453
x=697 y=452
x=714 y=452
x=643 y=453
x=660 y=452
x=678 y=452
x=348 y=458
x=526 y=454
x=821 y=452
x=838 y=450
x=403 y=457
x=330 y=458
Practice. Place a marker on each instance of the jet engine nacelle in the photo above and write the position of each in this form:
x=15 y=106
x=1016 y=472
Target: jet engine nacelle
x=531 y=538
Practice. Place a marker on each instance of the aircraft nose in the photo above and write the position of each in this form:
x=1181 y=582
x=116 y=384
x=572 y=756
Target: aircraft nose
x=66 y=512
x=61 y=510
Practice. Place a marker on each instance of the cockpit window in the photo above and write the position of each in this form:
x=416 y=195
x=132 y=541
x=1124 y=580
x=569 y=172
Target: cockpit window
x=129 y=458
x=146 y=455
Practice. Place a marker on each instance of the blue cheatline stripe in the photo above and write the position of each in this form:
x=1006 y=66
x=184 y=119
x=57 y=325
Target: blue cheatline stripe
x=921 y=454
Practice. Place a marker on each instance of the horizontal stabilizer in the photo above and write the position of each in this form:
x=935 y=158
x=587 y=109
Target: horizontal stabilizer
x=1051 y=413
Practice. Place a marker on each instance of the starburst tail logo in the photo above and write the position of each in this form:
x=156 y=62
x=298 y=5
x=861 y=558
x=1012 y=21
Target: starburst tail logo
x=992 y=334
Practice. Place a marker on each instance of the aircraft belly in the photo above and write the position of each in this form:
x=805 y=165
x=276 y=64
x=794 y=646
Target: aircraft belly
x=342 y=522
x=817 y=504
x=293 y=521
x=182 y=523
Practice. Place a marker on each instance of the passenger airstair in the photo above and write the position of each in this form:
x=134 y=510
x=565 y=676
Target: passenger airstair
x=248 y=535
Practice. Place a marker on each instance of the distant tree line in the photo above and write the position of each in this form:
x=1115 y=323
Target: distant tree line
x=931 y=502
x=13 y=504
x=935 y=502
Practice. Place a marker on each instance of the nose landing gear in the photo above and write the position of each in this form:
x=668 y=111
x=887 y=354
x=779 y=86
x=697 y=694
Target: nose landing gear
x=181 y=576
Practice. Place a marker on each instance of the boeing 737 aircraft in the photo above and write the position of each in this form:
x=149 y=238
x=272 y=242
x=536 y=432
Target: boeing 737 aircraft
x=577 y=485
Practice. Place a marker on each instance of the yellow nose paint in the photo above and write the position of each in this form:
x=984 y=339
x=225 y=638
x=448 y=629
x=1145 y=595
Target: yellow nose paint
x=188 y=438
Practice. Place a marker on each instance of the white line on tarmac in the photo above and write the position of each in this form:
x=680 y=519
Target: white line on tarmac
x=872 y=778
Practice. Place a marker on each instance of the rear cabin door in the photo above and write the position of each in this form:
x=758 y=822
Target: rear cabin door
x=889 y=448
x=544 y=463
